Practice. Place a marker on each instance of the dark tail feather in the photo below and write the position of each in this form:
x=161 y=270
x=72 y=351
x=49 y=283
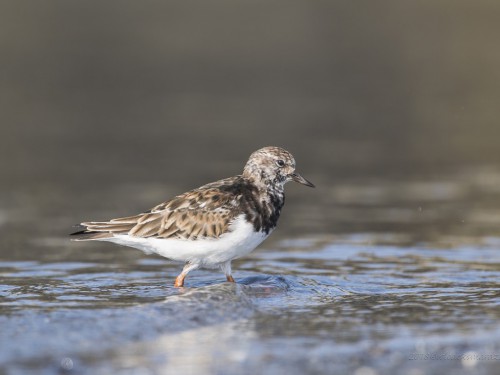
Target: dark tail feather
x=85 y=235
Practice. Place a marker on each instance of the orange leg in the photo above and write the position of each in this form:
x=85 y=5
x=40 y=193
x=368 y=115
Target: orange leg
x=226 y=268
x=179 y=281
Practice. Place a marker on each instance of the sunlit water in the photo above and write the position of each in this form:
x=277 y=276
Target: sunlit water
x=306 y=305
x=416 y=292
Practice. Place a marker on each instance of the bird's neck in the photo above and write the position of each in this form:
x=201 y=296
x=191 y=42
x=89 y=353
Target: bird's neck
x=271 y=184
x=263 y=205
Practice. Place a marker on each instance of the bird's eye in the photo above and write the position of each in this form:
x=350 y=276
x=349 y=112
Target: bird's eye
x=280 y=163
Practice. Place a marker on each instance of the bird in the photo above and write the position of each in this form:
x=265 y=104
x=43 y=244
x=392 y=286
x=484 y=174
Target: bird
x=212 y=225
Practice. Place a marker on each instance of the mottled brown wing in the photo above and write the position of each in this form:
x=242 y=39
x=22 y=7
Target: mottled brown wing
x=201 y=213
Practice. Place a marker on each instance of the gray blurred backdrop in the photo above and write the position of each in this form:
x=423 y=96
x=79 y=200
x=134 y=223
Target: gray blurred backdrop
x=107 y=101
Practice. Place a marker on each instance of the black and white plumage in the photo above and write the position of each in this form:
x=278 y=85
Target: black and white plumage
x=212 y=225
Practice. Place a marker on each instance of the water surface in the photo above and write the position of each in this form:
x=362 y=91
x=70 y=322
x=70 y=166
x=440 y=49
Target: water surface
x=377 y=301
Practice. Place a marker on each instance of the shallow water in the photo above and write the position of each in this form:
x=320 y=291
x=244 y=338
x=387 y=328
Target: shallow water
x=351 y=303
x=417 y=291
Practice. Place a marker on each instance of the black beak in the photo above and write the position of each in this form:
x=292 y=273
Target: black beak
x=301 y=180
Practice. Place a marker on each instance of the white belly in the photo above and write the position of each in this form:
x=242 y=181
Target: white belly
x=208 y=252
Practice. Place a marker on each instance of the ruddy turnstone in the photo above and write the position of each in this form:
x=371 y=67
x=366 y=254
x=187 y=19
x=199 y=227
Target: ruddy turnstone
x=212 y=225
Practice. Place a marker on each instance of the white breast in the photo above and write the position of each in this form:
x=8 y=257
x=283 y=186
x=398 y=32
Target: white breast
x=240 y=240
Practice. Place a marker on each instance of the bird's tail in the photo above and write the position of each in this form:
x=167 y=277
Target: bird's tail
x=99 y=230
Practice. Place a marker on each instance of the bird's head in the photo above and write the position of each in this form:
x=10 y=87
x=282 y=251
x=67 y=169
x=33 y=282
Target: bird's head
x=273 y=166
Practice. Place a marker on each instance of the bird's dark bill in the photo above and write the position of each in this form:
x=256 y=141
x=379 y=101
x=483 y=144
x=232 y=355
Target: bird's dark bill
x=301 y=180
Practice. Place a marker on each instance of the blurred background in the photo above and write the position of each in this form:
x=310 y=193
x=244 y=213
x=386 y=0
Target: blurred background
x=101 y=96
x=109 y=107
